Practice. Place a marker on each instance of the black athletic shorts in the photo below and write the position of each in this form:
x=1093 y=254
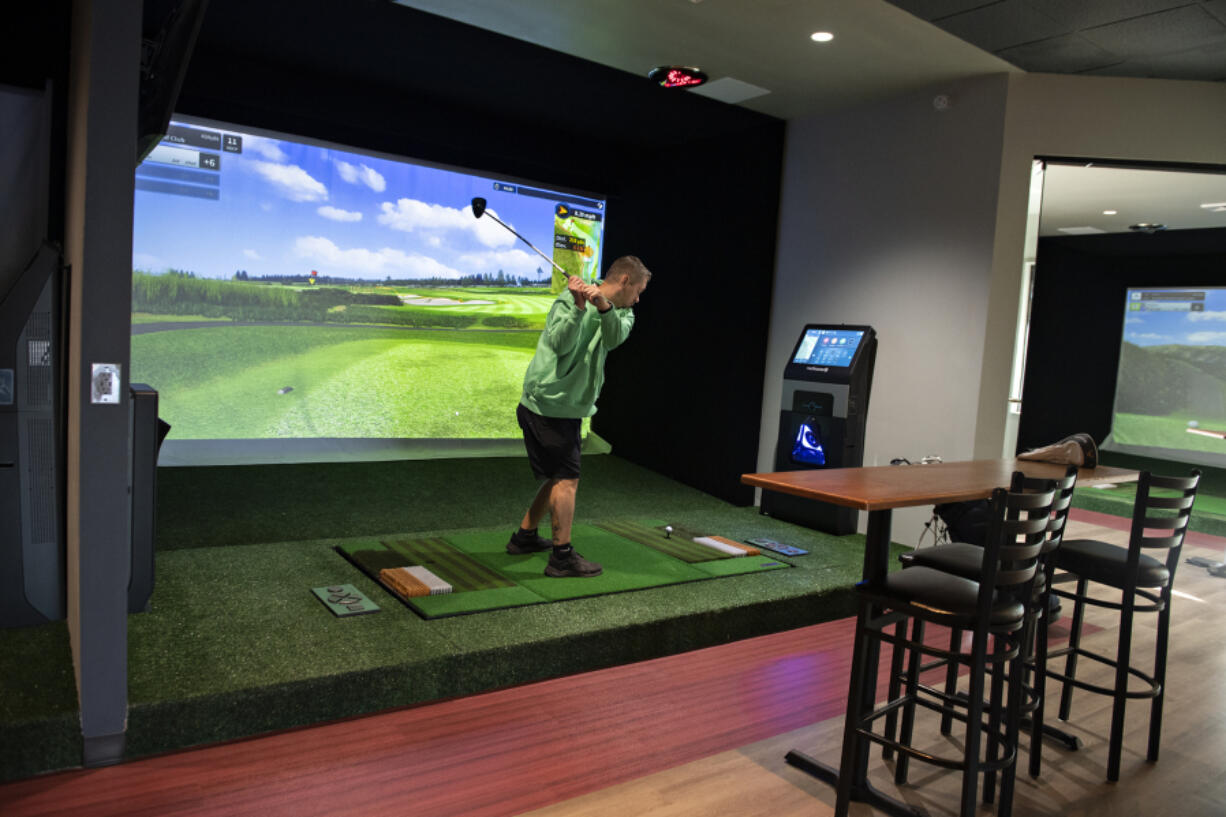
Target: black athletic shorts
x=552 y=443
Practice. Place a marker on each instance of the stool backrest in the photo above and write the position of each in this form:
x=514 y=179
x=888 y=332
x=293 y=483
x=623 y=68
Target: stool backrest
x=1161 y=522
x=1060 y=506
x=1017 y=536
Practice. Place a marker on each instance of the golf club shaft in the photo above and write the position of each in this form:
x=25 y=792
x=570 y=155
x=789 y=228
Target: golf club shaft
x=565 y=274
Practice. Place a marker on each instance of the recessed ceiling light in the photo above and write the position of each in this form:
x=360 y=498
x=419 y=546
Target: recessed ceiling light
x=1213 y=205
x=1110 y=212
x=821 y=36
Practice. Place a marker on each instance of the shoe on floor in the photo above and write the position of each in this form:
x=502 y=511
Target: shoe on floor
x=571 y=564
x=531 y=543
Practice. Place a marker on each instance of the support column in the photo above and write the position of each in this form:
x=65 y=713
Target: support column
x=104 y=81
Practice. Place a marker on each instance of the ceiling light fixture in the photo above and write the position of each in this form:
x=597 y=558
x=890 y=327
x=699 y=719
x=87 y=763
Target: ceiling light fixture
x=677 y=76
x=1213 y=205
x=821 y=36
x=1110 y=212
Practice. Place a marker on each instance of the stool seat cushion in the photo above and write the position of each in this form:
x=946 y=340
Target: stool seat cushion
x=945 y=592
x=960 y=559
x=957 y=558
x=1106 y=564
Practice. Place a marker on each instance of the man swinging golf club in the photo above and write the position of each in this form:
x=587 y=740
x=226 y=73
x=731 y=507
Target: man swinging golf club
x=563 y=381
x=560 y=389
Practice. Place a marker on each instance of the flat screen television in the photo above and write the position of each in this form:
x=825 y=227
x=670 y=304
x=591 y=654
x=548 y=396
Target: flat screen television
x=300 y=300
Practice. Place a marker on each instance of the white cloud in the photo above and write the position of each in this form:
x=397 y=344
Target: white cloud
x=348 y=172
x=252 y=255
x=1207 y=338
x=268 y=148
x=373 y=179
x=359 y=261
x=1132 y=320
x=512 y=262
x=410 y=215
x=362 y=174
x=1148 y=336
x=337 y=214
x=1196 y=317
x=291 y=181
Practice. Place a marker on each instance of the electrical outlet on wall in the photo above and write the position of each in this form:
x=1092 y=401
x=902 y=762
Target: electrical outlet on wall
x=104 y=383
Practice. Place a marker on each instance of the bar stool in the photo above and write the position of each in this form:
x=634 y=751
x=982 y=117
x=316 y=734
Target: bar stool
x=1145 y=585
x=966 y=560
x=993 y=610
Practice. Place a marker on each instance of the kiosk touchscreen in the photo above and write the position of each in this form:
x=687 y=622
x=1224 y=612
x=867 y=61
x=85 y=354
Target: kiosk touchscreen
x=821 y=420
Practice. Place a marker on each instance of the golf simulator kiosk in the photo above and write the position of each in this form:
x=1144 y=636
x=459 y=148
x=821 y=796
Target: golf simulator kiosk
x=822 y=415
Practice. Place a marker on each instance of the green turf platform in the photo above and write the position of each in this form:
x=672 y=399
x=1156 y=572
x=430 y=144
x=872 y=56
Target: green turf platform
x=635 y=555
x=235 y=642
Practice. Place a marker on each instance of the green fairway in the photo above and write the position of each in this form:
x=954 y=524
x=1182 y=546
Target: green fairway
x=243 y=382
x=1170 y=431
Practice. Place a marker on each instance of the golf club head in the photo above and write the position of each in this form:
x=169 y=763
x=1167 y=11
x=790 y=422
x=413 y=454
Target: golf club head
x=478 y=206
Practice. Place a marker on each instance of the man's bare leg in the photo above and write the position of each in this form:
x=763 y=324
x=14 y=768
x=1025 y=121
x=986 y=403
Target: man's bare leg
x=562 y=509
x=555 y=497
x=539 y=507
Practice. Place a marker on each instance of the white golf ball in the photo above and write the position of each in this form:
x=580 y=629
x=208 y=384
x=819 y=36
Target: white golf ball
x=1193 y=424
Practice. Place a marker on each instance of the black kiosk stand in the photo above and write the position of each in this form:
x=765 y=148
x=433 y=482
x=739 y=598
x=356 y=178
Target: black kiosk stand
x=821 y=419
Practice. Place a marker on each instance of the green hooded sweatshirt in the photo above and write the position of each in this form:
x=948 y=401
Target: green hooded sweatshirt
x=567 y=371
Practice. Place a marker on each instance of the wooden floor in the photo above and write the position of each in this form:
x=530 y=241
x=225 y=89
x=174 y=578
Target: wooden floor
x=703 y=733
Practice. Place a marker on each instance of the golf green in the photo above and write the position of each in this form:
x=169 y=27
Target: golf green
x=485 y=577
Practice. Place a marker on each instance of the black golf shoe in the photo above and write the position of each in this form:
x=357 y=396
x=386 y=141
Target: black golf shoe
x=571 y=563
x=531 y=542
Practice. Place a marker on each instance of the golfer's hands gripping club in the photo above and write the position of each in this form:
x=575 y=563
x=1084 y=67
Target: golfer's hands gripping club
x=583 y=293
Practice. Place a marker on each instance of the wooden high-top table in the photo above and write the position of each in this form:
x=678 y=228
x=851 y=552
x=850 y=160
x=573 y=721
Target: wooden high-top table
x=878 y=490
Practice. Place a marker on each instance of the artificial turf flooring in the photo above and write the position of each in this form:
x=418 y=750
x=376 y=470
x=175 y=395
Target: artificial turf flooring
x=235 y=643
x=1208 y=512
x=485 y=577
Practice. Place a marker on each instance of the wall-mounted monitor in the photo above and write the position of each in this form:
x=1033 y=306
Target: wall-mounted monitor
x=298 y=300
x=1170 y=395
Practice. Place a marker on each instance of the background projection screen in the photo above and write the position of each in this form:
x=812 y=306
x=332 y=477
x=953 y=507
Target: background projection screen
x=297 y=301
x=1170 y=395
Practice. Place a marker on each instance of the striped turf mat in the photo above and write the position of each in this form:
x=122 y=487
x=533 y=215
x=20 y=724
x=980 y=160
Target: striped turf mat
x=458 y=569
x=680 y=545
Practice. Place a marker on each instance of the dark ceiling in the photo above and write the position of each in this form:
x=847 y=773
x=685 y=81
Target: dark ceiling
x=1162 y=39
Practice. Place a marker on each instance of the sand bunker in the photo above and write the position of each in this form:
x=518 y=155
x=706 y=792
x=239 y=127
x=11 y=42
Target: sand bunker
x=409 y=300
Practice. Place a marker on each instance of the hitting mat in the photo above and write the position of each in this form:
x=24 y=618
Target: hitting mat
x=472 y=572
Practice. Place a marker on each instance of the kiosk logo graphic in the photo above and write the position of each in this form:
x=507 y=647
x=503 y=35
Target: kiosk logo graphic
x=808 y=447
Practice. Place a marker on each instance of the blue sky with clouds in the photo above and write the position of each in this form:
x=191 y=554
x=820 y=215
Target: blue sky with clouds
x=1152 y=326
x=287 y=208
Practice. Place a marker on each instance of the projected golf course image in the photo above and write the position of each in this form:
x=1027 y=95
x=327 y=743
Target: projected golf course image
x=293 y=290
x=450 y=369
x=1170 y=393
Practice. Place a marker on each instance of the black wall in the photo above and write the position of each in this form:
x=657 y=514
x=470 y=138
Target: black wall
x=693 y=186
x=1077 y=317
